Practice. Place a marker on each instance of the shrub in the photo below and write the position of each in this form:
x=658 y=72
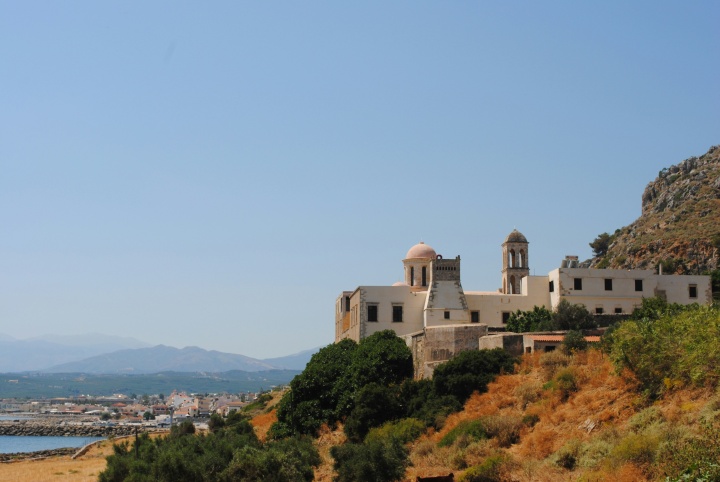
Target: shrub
x=374 y=405
x=552 y=361
x=574 y=341
x=565 y=383
x=471 y=371
x=696 y=457
x=405 y=430
x=505 y=429
x=670 y=351
x=491 y=470
x=637 y=448
x=567 y=456
x=568 y=316
x=381 y=460
x=537 y=319
x=473 y=429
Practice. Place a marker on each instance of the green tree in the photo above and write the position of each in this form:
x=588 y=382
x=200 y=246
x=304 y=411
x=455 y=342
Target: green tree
x=378 y=460
x=325 y=391
x=568 y=316
x=313 y=396
x=148 y=416
x=574 y=341
x=381 y=358
x=601 y=244
x=537 y=319
x=375 y=404
x=471 y=371
x=216 y=422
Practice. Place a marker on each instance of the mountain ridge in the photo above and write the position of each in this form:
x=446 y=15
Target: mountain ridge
x=679 y=227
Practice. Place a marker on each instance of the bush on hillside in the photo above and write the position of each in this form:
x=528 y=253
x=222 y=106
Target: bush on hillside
x=671 y=351
x=378 y=460
x=405 y=430
x=326 y=390
x=574 y=341
x=471 y=371
x=375 y=404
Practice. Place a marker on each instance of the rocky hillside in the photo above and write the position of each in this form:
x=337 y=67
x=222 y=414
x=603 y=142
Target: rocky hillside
x=680 y=223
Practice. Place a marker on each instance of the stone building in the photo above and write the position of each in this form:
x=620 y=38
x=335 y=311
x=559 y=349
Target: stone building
x=438 y=318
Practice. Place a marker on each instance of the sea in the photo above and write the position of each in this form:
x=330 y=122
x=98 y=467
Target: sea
x=10 y=444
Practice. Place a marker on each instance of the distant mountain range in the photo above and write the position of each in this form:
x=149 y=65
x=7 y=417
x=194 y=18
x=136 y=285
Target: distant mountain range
x=103 y=354
x=41 y=352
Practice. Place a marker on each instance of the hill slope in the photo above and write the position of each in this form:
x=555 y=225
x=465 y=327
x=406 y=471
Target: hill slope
x=680 y=222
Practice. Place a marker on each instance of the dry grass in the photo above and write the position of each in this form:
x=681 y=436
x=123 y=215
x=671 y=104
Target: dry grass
x=327 y=438
x=262 y=423
x=60 y=469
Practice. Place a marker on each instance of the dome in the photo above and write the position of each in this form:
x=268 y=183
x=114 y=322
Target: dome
x=400 y=283
x=421 y=250
x=516 y=237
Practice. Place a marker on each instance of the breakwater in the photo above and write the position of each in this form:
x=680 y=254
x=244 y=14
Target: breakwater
x=40 y=429
x=40 y=454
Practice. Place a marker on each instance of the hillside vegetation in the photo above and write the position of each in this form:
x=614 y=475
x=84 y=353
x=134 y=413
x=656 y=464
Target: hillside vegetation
x=644 y=407
x=679 y=226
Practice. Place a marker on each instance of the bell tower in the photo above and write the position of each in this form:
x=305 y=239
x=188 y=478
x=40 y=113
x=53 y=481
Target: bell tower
x=515 y=262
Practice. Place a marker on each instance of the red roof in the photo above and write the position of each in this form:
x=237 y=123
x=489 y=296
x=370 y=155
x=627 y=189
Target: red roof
x=560 y=338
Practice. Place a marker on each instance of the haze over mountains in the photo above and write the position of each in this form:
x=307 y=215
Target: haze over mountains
x=96 y=353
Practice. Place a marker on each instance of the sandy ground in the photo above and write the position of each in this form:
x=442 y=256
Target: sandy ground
x=60 y=469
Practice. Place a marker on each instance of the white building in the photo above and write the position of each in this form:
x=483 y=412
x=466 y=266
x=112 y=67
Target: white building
x=432 y=295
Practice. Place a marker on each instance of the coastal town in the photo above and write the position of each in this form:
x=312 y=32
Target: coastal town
x=117 y=412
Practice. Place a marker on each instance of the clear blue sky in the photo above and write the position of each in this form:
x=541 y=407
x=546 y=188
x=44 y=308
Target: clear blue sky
x=214 y=174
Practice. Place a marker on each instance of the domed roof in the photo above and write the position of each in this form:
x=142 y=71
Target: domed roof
x=421 y=250
x=516 y=237
x=400 y=283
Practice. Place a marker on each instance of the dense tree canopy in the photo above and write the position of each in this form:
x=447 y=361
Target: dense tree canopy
x=325 y=391
x=471 y=371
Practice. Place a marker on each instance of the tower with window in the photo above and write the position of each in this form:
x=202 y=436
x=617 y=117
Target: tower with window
x=417 y=266
x=515 y=262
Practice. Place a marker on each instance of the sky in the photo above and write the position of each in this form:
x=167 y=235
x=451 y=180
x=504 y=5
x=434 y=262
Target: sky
x=215 y=174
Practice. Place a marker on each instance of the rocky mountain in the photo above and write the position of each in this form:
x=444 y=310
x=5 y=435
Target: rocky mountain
x=162 y=358
x=679 y=228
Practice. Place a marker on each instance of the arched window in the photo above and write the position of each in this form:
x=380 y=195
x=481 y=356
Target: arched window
x=424 y=276
x=412 y=275
x=523 y=261
x=511 y=258
x=512 y=285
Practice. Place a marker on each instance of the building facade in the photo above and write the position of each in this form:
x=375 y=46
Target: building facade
x=432 y=296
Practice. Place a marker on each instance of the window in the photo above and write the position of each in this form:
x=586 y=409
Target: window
x=618 y=310
x=412 y=275
x=424 y=276
x=347 y=303
x=608 y=284
x=474 y=317
x=552 y=286
x=505 y=316
x=577 y=283
x=599 y=310
x=693 y=291
x=638 y=285
x=397 y=313
x=372 y=312
x=447 y=315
